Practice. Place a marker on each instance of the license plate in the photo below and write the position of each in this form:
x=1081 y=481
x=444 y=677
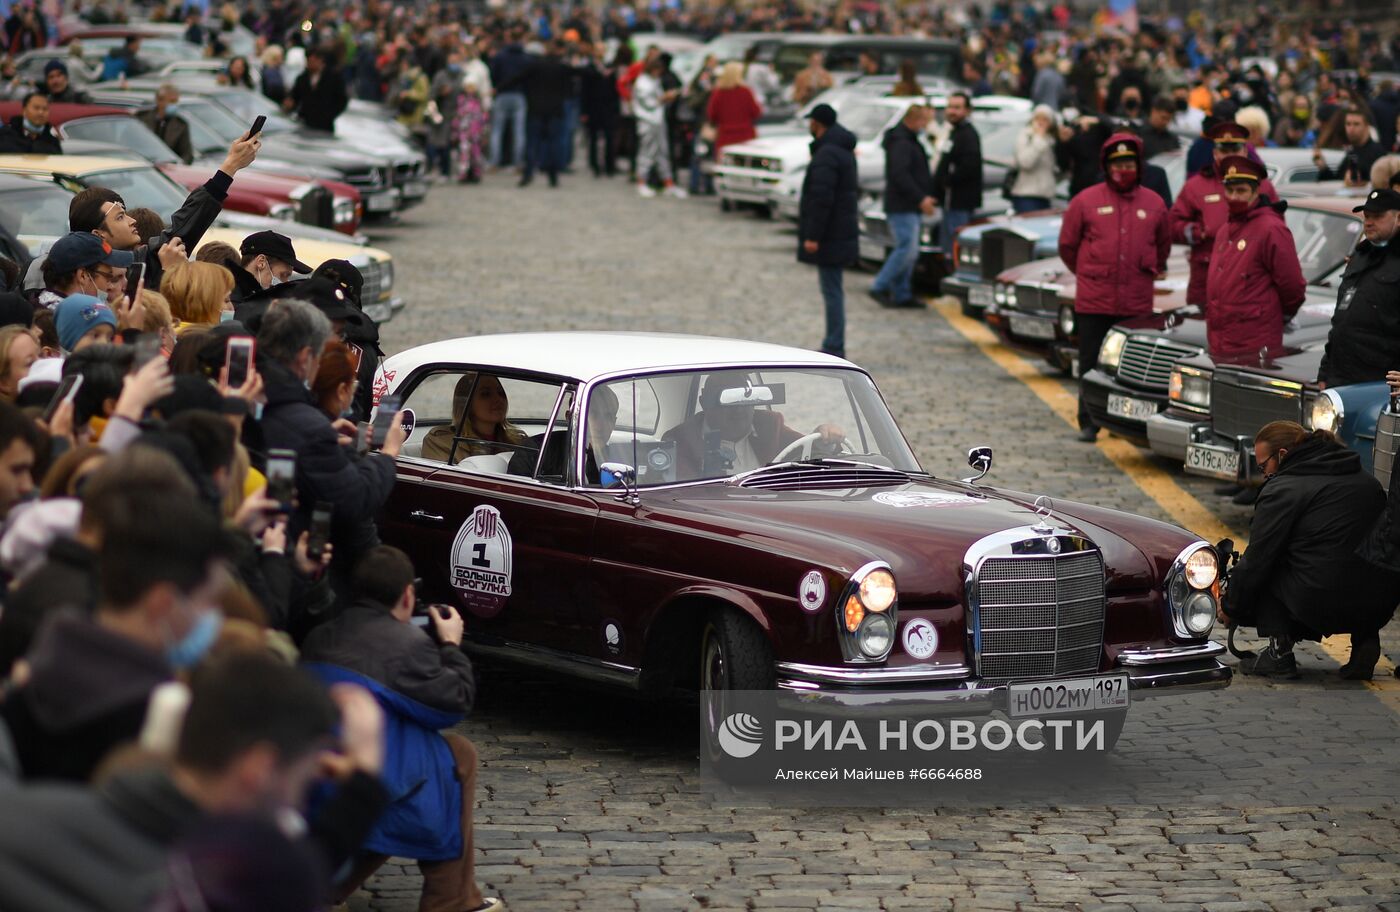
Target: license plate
x=380 y=202
x=869 y=250
x=1075 y=695
x=1217 y=462
x=979 y=295
x=1031 y=328
x=1128 y=407
x=415 y=188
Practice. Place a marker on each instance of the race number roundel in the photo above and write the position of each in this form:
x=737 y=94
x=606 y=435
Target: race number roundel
x=481 y=562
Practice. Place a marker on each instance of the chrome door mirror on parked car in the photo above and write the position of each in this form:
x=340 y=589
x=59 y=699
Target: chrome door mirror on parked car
x=980 y=460
x=619 y=475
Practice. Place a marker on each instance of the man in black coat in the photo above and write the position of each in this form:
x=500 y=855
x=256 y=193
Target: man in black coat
x=548 y=81
x=908 y=197
x=1361 y=152
x=957 y=183
x=29 y=133
x=828 y=231
x=1364 y=341
x=318 y=96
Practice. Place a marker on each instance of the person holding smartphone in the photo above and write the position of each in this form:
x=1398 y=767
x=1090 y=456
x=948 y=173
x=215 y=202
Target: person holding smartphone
x=376 y=642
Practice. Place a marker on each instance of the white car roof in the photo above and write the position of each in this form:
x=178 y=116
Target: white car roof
x=587 y=356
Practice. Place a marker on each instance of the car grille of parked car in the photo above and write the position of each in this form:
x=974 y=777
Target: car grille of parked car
x=1240 y=405
x=317 y=207
x=804 y=479
x=1035 y=299
x=373 y=274
x=404 y=173
x=758 y=162
x=1387 y=445
x=1147 y=361
x=1001 y=250
x=1039 y=616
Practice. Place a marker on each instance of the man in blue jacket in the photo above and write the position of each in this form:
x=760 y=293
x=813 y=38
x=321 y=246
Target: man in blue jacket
x=908 y=197
x=425 y=683
x=828 y=232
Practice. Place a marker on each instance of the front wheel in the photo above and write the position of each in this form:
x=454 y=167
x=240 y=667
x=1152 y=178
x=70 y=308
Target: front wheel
x=734 y=655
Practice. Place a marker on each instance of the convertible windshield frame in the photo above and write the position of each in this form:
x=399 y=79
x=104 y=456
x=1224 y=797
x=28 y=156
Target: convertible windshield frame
x=584 y=401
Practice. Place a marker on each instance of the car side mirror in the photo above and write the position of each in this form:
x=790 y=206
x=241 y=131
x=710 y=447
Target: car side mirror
x=979 y=459
x=619 y=474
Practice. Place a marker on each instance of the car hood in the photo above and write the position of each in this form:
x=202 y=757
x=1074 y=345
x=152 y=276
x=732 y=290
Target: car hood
x=1290 y=364
x=1038 y=226
x=922 y=528
x=1187 y=325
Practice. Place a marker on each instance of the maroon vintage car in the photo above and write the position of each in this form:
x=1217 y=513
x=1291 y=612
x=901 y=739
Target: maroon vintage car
x=665 y=511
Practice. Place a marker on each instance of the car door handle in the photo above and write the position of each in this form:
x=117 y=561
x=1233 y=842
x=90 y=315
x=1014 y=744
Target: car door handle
x=425 y=516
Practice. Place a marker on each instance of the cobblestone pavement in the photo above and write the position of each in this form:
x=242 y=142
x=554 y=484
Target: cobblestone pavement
x=589 y=799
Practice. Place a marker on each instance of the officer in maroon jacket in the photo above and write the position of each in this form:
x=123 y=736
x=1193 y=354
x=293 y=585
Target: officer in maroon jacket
x=1115 y=239
x=1256 y=283
x=1200 y=208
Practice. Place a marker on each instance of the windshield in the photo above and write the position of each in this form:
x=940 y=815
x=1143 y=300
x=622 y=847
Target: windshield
x=251 y=105
x=34 y=212
x=216 y=117
x=867 y=121
x=142 y=187
x=691 y=426
x=122 y=131
x=1323 y=239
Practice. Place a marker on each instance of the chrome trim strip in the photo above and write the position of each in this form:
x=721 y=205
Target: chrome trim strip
x=1158 y=655
x=872 y=676
x=543 y=657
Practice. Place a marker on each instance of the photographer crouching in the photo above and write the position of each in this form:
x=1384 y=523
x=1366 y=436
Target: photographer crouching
x=1301 y=578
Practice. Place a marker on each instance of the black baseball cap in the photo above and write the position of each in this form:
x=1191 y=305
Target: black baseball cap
x=326 y=296
x=344 y=273
x=273 y=245
x=1380 y=201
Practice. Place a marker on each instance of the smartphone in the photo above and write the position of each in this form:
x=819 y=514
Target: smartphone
x=257 y=126
x=384 y=419
x=67 y=389
x=320 y=530
x=135 y=278
x=238 y=356
x=147 y=349
x=281 y=477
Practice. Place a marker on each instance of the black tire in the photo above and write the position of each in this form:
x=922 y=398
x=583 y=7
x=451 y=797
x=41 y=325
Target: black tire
x=734 y=655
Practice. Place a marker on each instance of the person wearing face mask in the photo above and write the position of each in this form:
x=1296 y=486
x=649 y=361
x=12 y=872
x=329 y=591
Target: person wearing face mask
x=165 y=122
x=1200 y=209
x=1115 y=240
x=87 y=679
x=81 y=263
x=270 y=259
x=1301 y=577
x=1364 y=341
x=1255 y=284
x=29 y=133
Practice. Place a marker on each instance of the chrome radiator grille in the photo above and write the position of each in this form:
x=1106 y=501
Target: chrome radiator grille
x=1147 y=361
x=1387 y=444
x=1240 y=411
x=1039 y=616
x=374 y=280
x=1034 y=299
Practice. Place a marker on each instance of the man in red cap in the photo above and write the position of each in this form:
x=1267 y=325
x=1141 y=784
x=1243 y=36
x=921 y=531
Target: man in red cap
x=1115 y=239
x=1256 y=283
x=1200 y=209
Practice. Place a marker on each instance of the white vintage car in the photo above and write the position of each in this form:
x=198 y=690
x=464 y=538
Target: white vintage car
x=751 y=172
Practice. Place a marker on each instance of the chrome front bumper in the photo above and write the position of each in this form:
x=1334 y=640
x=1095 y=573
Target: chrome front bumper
x=384 y=311
x=1168 y=435
x=951 y=689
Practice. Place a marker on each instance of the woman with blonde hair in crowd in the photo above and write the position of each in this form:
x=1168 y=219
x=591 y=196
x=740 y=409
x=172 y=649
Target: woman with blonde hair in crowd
x=158 y=320
x=1256 y=120
x=198 y=294
x=19 y=349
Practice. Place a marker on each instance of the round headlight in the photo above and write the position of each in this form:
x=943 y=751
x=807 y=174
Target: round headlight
x=1067 y=321
x=877 y=590
x=1111 y=352
x=1199 y=614
x=1326 y=413
x=875 y=636
x=1177 y=590
x=1202 y=569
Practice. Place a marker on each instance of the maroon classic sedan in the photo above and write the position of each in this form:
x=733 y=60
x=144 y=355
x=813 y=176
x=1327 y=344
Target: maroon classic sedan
x=665 y=510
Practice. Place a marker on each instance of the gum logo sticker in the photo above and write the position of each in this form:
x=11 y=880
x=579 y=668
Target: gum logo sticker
x=812 y=591
x=906 y=499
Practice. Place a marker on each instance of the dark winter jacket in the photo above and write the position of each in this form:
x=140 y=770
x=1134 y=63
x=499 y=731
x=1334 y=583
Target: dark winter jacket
x=1356 y=163
x=67 y=579
x=325 y=470
x=547 y=83
x=1255 y=284
x=957 y=182
x=1116 y=244
x=87 y=694
x=827 y=212
x=14 y=140
x=1308 y=521
x=189 y=222
x=1080 y=155
x=508 y=63
x=318 y=106
x=907 y=178
x=1364 y=341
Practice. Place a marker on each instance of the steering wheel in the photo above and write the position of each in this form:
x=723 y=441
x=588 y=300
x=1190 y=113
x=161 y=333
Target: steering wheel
x=805 y=444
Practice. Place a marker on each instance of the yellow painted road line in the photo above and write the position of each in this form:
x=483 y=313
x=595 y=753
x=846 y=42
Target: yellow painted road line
x=1156 y=483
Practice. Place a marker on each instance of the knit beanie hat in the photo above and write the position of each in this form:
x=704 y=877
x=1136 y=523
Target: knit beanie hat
x=76 y=314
